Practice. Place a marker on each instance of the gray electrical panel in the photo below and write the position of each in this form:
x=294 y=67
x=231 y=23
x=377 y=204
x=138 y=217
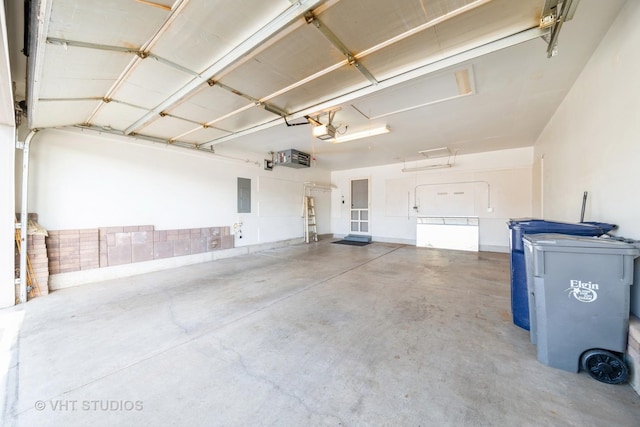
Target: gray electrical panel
x=293 y=159
x=244 y=195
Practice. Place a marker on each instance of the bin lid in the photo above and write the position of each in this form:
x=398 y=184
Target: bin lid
x=530 y=226
x=568 y=243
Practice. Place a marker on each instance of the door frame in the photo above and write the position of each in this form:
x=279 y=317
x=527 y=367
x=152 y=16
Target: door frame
x=367 y=210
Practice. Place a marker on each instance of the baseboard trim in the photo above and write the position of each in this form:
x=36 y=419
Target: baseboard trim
x=495 y=248
x=412 y=242
x=83 y=277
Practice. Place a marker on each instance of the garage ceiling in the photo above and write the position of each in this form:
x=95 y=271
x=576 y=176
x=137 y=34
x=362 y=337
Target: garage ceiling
x=233 y=75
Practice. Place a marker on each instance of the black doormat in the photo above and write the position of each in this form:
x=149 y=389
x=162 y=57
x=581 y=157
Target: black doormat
x=351 y=243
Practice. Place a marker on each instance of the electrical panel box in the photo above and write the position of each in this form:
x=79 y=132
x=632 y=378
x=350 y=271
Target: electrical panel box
x=293 y=159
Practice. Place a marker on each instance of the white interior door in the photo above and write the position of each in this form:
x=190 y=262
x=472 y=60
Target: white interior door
x=360 y=206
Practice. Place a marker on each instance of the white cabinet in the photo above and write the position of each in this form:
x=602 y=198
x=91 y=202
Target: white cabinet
x=448 y=232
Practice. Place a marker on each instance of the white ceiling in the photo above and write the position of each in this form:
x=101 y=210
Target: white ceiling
x=222 y=74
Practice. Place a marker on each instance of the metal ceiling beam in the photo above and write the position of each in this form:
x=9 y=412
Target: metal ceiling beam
x=561 y=17
x=234 y=91
x=254 y=102
x=189 y=132
x=74 y=43
x=293 y=26
x=456 y=59
x=181 y=144
x=305 y=80
x=138 y=136
x=91 y=98
x=176 y=9
x=240 y=51
x=311 y=17
x=232 y=113
x=40 y=18
x=550 y=8
x=453 y=60
x=338 y=44
x=120 y=49
x=143 y=52
x=432 y=23
x=97 y=99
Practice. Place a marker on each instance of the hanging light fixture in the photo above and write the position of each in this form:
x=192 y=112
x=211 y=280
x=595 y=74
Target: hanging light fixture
x=435 y=153
x=324 y=132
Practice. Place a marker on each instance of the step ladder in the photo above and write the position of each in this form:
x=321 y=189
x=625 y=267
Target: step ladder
x=310 y=226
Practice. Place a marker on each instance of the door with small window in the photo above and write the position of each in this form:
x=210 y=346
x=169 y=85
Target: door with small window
x=360 y=206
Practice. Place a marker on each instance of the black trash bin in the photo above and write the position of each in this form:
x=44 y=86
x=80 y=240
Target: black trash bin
x=520 y=227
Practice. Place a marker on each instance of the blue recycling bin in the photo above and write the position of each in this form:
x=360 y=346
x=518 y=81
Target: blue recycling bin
x=520 y=227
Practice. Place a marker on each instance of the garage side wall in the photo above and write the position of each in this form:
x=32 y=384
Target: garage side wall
x=153 y=195
x=592 y=143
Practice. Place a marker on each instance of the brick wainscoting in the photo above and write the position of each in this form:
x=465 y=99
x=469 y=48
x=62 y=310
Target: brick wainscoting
x=37 y=252
x=75 y=250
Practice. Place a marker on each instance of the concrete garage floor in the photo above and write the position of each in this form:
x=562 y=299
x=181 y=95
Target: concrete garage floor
x=306 y=335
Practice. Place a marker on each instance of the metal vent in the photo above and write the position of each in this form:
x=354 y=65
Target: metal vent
x=294 y=159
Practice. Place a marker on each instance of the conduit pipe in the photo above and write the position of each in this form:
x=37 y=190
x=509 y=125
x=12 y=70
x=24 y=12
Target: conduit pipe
x=24 y=215
x=309 y=186
x=319 y=186
x=154 y=140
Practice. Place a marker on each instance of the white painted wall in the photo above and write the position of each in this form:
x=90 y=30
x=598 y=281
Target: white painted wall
x=592 y=143
x=85 y=180
x=394 y=193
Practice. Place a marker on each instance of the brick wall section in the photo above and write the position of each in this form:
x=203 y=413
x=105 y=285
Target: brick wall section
x=74 y=250
x=89 y=249
x=53 y=250
x=69 y=250
x=37 y=252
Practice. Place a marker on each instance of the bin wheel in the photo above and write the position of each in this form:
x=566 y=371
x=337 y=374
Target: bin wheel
x=604 y=366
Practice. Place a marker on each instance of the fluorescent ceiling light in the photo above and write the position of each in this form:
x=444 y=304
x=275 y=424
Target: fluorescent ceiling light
x=363 y=134
x=424 y=168
x=432 y=154
x=436 y=152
